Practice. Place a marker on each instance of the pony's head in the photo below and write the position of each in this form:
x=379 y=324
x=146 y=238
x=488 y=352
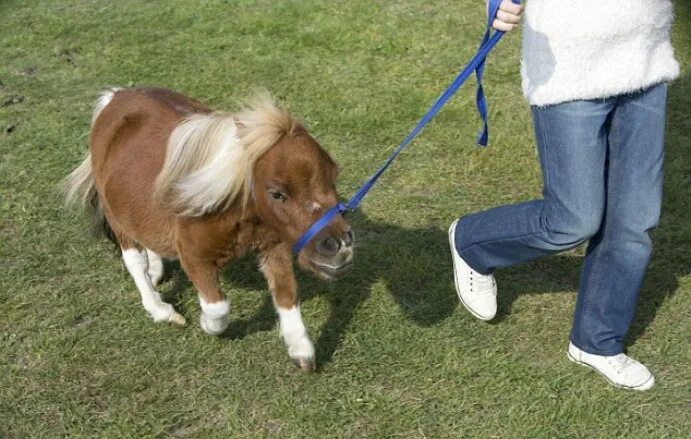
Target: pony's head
x=294 y=183
x=260 y=156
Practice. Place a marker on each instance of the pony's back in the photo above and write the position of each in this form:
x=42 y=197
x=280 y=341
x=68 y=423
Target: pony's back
x=129 y=135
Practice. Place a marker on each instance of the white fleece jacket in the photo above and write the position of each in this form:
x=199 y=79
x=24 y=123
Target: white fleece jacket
x=588 y=49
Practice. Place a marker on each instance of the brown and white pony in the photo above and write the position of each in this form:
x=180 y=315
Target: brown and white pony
x=169 y=178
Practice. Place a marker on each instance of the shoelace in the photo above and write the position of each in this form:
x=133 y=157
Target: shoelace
x=622 y=361
x=482 y=282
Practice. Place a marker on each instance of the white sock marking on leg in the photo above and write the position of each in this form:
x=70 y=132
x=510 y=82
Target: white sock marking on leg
x=294 y=332
x=137 y=264
x=155 y=266
x=214 y=318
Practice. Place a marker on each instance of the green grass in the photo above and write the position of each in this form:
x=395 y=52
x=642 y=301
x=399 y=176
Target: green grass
x=398 y=357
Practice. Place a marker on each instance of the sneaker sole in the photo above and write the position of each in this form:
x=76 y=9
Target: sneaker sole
x=452 y=244
x=645 y=386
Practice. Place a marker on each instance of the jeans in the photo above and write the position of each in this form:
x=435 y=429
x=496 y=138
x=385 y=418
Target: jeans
x=601 y=164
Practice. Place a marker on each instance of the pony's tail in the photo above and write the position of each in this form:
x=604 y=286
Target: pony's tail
x=79 y=186
x=80 y=189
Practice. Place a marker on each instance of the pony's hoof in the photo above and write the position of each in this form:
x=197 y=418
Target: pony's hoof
x=165 y=313
x=177 y=319
x=305 y=364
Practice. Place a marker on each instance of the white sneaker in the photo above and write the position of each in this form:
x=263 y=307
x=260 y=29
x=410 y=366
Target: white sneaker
x=478 y=292
x=620 y=370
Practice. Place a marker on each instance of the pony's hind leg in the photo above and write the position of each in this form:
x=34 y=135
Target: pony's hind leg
x=137 y=263
x=277 y=266
x=155 y=270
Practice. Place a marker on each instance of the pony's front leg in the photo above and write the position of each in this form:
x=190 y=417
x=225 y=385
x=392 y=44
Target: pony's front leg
x=277 y=266
x=215 y=308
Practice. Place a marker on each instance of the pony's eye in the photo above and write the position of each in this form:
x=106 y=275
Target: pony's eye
x=277 y=196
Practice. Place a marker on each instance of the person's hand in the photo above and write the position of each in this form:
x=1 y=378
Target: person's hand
x=508 y=16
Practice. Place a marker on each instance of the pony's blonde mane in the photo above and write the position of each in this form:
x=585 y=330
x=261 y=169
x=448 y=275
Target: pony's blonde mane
x=210 y=157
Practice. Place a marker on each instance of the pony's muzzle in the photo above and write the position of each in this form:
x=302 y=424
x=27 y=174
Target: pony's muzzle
x=335 y=254
x=330 y=246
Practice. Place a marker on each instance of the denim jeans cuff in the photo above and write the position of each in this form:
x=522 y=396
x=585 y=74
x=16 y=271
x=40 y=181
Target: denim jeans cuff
x=468 y=258
x=590 y=350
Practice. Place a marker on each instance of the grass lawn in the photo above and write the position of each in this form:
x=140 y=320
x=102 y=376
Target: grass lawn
x=398 y=356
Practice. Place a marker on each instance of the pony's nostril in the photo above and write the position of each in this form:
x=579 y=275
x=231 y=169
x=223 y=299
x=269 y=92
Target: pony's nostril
x=329 y=246
x=348 y=238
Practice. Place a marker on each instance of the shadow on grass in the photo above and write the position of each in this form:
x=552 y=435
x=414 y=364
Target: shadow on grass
x=415 y=265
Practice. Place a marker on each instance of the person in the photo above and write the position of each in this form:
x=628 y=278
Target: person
x=595 y=74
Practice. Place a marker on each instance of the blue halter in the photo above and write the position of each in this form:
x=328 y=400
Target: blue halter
x=477 y=65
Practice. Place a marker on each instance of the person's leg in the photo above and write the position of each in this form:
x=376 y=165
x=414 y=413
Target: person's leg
x=618 y=254
x=572 y=143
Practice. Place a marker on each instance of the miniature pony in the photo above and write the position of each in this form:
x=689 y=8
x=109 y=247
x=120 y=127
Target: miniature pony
x=169 y=178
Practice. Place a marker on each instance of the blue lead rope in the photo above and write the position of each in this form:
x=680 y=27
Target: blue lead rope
x=477 y=65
